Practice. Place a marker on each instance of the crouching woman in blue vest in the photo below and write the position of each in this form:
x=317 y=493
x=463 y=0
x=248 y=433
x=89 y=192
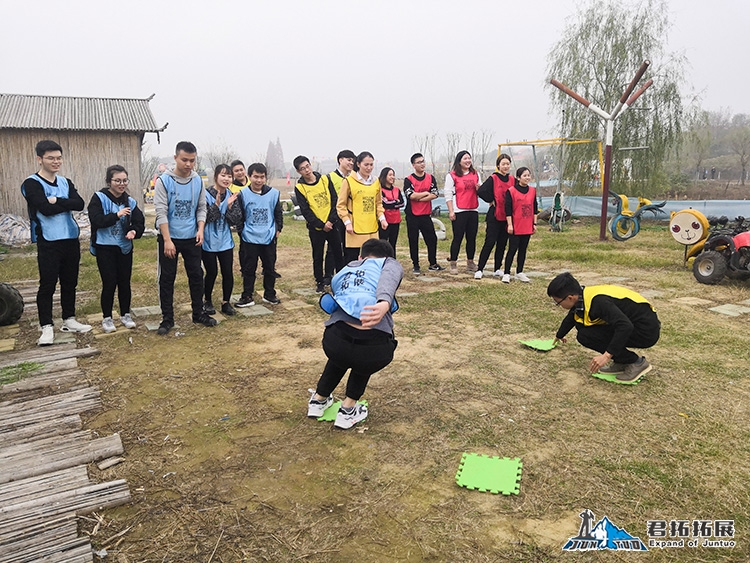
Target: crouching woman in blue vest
x=359 y=333
x=115 y=220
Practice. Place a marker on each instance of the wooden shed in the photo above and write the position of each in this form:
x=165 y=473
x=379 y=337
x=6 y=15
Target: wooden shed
x=94 y=133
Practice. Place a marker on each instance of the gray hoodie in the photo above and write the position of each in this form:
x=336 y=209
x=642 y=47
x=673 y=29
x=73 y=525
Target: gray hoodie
x=161 y=199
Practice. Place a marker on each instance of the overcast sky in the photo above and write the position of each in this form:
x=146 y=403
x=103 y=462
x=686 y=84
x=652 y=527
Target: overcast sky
x=325 y=75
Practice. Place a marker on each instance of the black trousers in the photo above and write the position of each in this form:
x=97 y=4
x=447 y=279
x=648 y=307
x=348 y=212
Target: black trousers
x=465 y=225
x=318 y=241
x=645 y=334
x=390 y=234
x=249 y=255
x=167 y=272
x=115 y=269
x=517 y=243
x=335 y=252
x=57 y=260
x=416 y=224
x=225 y=260
x=363 y=351
x=497 y=238
x=351 y=254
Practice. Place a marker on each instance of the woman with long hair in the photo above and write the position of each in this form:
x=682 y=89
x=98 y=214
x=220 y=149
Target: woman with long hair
x=393 y=201
x=461 y=186
x=521 y=209
x=218 y=244
x=360 y=206
x=493 y=191
x=116 y=220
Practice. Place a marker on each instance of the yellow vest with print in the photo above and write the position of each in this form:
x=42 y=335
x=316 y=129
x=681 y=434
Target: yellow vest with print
x=336 y=179
x=318 y=197
x=613 y=291
x=362 y=205
x=234 y=188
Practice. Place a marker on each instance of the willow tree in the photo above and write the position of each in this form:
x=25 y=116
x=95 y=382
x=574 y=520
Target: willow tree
x=600 y=49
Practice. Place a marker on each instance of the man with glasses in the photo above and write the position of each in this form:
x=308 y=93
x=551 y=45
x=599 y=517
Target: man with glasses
x=609 y=319
x=51 y=201
x=316 y=198
x=420 y=189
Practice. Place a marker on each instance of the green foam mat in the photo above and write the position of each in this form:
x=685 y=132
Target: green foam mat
x=329 y=415
x=539 y=344
x=612 y=378
x=484 y=473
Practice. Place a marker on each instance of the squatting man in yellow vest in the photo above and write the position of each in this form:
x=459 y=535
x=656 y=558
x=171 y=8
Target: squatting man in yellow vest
x=609 y=319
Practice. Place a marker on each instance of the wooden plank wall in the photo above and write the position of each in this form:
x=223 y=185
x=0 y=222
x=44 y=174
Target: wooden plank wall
x=86 y=156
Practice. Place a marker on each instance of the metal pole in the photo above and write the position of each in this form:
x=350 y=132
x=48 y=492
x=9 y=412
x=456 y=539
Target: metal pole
x=607 y=176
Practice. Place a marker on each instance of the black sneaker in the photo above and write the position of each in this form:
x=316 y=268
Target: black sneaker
x=272 y=300
x=205 y=320
x=320 y=288
x=327 y=281
x=416 y=271
x=164 y=327
x=227 y=309
x=436 y=268
x=245 y=302
x=209 y=308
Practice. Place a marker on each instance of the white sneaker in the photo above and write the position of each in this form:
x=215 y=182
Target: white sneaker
x=108 y=325
x=315 y=408
x=497 y=274
x=346 y=419
x=506 y=278
x=48 y=336
x=127 y=321
x=523 y=277
x=478 y=275
x=72 y=325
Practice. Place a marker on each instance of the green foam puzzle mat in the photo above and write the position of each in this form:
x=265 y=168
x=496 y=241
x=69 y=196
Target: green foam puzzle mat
x=484 y=473
x=538 y=344
x=330 y=413
x=613 y=379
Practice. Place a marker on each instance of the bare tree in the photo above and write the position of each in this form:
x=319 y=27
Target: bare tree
x=149 y=166
x=485 y=144
x=739 y=141
x=215 y=155
x=698 y=140
x=452 y=142
x=425 y=144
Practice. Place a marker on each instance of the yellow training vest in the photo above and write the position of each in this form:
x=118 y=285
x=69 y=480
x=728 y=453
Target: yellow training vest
x=336 y=180
x=613 y=291
x=362 y=205
x=234 y=188
x=318 y=197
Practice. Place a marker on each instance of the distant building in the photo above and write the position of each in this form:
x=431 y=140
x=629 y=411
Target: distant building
x=93 y=132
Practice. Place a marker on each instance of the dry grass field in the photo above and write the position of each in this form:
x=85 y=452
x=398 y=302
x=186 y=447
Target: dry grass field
x=224 y=466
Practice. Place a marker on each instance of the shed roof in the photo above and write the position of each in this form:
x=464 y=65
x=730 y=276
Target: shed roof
x=19 y=111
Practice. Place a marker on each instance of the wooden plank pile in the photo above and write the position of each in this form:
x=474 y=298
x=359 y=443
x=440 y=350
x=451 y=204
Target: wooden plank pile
x=44 y=483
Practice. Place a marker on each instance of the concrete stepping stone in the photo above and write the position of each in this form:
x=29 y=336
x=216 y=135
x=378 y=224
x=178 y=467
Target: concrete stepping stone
x=293 y=304
x=254 y=311
x=151 y=311
x=7 y=344
x=730 y=310
x=534 y=274
x=652 y=293
x=428 y=279
x=307 y=291
x=153 y=326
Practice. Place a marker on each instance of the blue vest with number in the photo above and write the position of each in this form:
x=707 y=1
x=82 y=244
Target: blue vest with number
x=355 y=287
x=60 y=226
x=114 y=235
x=260 y=224
x=183 y=204
x=217 y=236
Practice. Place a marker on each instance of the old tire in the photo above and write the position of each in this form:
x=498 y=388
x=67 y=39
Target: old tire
x=710 y=267
x=11 y=304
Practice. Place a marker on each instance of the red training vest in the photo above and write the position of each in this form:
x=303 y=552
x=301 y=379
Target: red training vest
x=500 y=188
x=421 y=186
x=393 y=216
x=466 y=190
x=523 y=211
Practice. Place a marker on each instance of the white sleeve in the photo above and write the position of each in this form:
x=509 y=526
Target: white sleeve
x=449 y=190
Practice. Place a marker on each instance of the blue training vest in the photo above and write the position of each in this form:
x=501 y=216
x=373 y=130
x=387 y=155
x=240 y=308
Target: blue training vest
x=114 y=235
x=260 y=223
x=356 y=287
x=183 y=204
x=217 y=235
x=60 y=226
